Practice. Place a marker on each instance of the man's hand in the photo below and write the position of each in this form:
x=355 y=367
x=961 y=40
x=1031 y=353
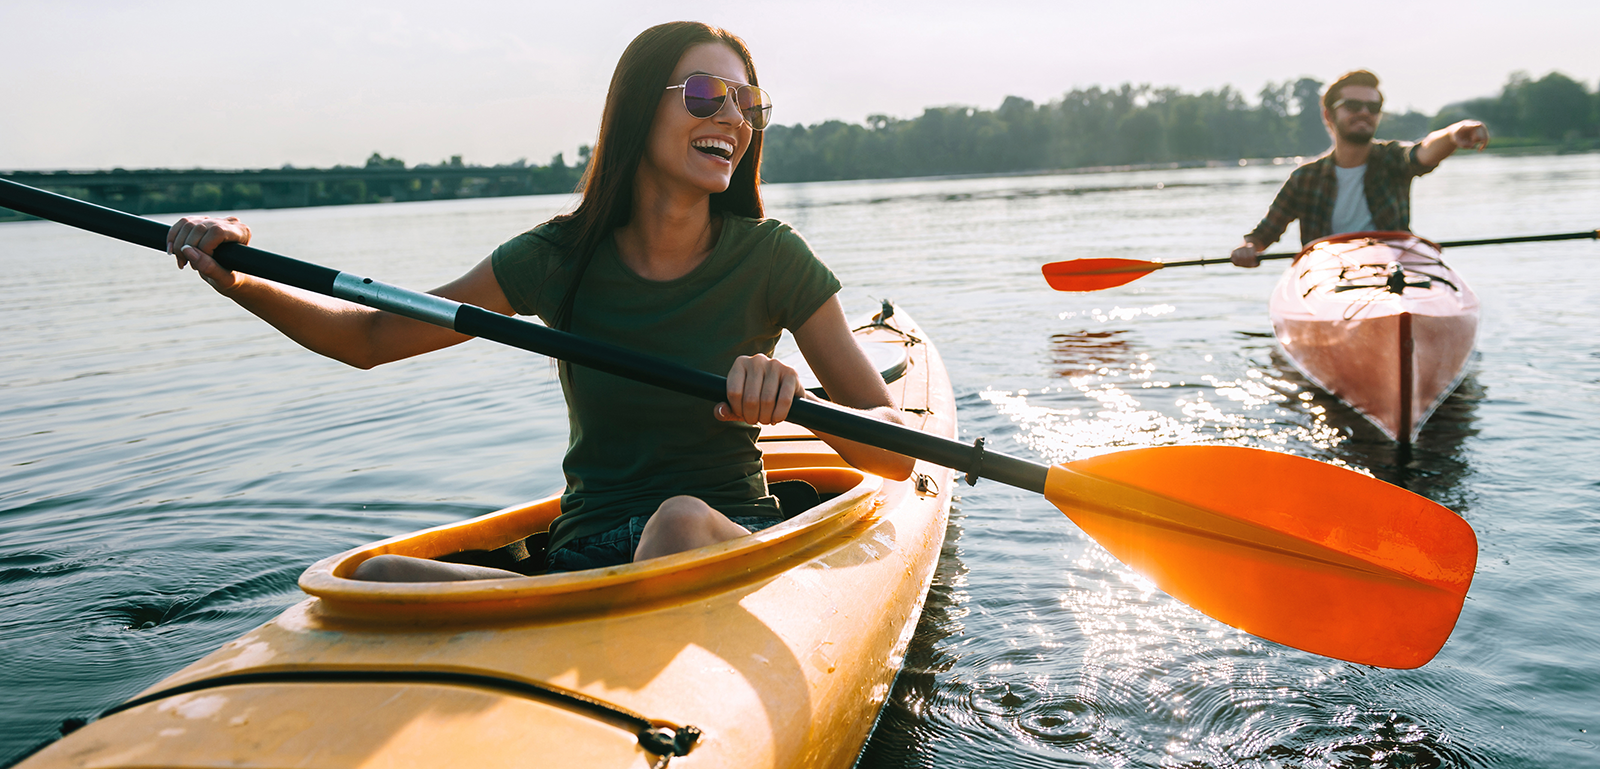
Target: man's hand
x=1245 y=255
x=1440 y=144
x=1470 y=134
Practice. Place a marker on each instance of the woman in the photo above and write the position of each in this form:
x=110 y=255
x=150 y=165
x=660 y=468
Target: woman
x=667 y=252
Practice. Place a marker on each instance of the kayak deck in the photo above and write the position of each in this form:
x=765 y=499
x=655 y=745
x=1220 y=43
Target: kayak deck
x=780 y=647
x=1379 y=321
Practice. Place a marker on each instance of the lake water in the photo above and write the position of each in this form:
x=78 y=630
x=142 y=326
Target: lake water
x=169 y=465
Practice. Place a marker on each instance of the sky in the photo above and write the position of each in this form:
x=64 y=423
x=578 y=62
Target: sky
x=179 y=84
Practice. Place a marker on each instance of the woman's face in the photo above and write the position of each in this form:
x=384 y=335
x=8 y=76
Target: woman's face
x=697 y=153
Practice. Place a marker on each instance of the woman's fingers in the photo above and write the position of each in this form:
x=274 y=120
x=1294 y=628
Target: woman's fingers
x=754 y=390
x=185 y=233
x=173 y=234
x=212 y=273
x=760 y=391
x=192 y=239
x=744 y=387
x=789 y=384
x=205 y=233
x=728 y=410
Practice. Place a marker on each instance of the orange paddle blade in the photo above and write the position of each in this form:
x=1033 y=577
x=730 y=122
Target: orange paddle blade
x=1303 y=553
x=1096 y=274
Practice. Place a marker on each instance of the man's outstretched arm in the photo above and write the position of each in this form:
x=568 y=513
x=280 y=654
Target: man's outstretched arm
x=1444 y=142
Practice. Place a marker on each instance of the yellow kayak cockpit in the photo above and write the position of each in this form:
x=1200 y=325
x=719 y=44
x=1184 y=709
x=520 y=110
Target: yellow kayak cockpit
x=629 y=587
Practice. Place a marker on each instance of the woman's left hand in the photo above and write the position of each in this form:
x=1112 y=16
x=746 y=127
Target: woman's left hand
x=760 y=391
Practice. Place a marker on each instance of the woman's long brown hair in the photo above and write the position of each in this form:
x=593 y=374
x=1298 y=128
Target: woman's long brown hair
x=607 y=187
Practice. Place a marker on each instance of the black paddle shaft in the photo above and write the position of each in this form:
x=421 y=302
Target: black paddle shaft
x=476 y=321
x=1585 y=235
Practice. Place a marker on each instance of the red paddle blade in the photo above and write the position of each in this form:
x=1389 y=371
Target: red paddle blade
x=1096 y=274
x=1286 y=548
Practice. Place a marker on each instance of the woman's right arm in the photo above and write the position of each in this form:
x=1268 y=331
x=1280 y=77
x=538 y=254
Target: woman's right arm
x=347 y=332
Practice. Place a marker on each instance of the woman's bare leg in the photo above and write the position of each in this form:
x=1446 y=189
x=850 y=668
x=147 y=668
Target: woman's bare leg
x=404 y=568
x=684 y=523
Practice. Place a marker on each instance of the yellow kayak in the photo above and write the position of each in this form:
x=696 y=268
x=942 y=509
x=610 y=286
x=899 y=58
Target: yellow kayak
x=773 y=650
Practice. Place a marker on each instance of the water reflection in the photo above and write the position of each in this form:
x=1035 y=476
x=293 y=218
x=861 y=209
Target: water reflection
x=906 y=725
x=1434 y=465
x=1085 y=662
x=1121 y=394
x=1090 y=353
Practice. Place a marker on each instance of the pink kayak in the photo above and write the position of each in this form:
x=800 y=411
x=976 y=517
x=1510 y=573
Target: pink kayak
x=1381 y=322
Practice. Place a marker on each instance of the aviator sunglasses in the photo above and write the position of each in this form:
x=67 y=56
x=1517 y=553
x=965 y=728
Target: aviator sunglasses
x=1357 y=105
x=704 y=95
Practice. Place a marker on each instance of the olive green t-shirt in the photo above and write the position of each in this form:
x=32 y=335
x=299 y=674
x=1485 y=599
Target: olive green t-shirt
x=632 y=445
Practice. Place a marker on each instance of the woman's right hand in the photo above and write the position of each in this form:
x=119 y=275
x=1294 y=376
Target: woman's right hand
x=192 y=240
x=760 y=391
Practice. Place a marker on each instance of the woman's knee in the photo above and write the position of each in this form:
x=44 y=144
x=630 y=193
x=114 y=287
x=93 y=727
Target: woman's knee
x=383 y=568
x=683 y=511
x=683 y=523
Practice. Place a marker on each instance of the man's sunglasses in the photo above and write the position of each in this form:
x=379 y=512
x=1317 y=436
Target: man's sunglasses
x=704 y=95
x=1357 y=105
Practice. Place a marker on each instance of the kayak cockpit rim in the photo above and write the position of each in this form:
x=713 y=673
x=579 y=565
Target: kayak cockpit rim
x=634 y=586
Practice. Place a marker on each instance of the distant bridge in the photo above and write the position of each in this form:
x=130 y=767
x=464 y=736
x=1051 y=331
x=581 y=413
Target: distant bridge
x=164 y=190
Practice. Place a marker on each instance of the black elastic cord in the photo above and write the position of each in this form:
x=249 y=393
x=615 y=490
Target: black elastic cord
x=661 y=740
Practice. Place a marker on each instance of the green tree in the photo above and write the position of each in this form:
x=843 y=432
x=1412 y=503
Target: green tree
x=1406 y=126
x=1311 y=136
x=1557 y=107
x=378 y=161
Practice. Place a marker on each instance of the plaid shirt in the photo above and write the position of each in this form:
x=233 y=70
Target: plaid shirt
x=1309 y=193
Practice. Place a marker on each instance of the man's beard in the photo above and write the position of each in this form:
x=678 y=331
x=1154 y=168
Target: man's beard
x=1356 y=135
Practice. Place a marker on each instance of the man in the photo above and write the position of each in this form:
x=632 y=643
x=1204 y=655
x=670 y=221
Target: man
x=1359 y=185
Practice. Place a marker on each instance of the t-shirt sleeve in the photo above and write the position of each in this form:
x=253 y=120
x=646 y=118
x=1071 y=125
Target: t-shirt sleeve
x=523 y=267
x=1413 y=165
x=799 y=283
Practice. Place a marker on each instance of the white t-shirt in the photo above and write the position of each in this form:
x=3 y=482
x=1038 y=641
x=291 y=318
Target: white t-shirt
x=1350 y=210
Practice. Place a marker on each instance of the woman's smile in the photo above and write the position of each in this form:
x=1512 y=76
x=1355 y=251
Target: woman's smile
x=716 y=146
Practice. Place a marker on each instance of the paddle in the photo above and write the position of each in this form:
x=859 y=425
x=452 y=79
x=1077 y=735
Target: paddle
x=1103 y=273
x=1292 y=550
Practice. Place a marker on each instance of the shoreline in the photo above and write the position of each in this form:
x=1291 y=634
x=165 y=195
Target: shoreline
x=480 y=182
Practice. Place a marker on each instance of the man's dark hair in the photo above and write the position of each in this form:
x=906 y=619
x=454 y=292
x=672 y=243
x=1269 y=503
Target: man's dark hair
x=1358 y=77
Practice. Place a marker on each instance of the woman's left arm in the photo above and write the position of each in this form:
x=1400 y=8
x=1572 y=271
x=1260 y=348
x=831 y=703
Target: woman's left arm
x=757 y=384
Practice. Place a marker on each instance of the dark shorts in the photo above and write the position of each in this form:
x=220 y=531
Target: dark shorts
x=616 y=547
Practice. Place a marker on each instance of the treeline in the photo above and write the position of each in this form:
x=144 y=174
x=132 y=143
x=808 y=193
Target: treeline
x=1134 y=125
x=1129 y=125
x=1554 y=109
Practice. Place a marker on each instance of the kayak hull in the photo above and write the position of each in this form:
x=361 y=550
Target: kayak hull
x=780 y=648
x=1392 y=356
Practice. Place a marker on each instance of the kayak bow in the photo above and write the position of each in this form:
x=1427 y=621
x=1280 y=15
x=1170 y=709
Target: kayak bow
x=1378 y=320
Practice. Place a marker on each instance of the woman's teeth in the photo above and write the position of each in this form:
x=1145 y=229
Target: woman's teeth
x=719 y=147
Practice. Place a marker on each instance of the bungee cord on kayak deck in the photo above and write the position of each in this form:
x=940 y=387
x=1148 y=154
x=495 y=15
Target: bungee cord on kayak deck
x=661 y=738
x=1386 y=278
